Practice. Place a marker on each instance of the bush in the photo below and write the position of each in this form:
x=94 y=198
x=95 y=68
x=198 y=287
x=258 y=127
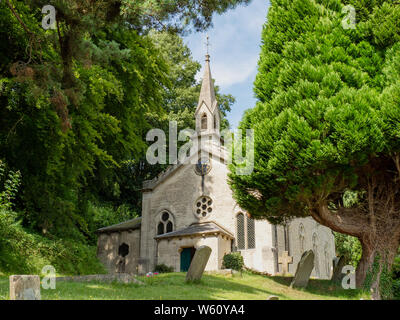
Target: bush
x=233 y=261
x=349 y=247
x=162 y=268
x=27 y=253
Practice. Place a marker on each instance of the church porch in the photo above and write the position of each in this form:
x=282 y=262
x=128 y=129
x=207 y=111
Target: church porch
x=176 y=249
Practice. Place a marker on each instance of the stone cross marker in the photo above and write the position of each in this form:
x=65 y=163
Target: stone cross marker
x=25 y=287
x=198 y=263
x=303 y=271
x=285 y=260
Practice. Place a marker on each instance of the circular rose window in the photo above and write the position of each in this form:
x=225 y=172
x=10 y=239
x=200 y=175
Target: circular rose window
x=203 y=207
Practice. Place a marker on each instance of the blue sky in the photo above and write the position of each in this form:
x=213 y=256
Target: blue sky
x=235 y=41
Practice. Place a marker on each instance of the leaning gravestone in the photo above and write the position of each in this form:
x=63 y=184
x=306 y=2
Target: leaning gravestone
x=303 y=271
x=337 y=271
x=24 y=287
x=198 y=263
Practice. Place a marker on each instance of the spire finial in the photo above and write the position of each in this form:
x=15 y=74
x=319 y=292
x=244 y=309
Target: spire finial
x=208 y=47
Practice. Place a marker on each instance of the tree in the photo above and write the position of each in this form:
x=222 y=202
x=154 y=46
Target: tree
x=75 y=99
x=327 y=123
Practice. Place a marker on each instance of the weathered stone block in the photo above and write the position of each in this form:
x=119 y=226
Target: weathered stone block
x=303 y=271
x=24 y=287
x=198 y=264
x=337 y=271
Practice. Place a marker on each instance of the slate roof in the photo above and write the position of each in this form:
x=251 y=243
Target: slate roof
x=198 y=228
x=123 y=226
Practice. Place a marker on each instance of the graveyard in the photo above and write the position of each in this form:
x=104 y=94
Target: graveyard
x=200 y=150
x=172 y=286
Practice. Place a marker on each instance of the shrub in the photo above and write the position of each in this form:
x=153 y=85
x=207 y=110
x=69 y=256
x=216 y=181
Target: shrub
x=162 y=268
x=25 y=252
x=233 y=261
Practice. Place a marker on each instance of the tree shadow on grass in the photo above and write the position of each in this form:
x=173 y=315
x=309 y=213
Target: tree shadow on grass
x=323 y=287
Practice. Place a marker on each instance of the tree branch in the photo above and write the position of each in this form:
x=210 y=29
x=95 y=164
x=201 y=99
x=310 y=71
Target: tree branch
x=344 y=220
x=19 y=18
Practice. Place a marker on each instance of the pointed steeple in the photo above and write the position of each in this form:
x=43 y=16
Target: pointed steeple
x=207 y=93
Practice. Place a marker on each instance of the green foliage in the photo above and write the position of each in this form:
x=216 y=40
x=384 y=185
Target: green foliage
x=328 y=102
x=27 y=253
x=103 y=215
x=233 y=261
x=396 y=288
x=162 y=268
x=8 y=186
x=386 y=285
x=349 y=247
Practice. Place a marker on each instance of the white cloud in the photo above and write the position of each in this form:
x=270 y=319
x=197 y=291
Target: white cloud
x=235 y=43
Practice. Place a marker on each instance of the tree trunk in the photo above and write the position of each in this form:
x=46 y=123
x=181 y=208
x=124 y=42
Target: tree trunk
x=374 y=269
x=380 y=239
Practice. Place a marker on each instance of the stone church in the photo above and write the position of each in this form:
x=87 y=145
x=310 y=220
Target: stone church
x=191 y=205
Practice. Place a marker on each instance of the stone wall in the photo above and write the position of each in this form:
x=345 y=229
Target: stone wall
x=107 y=250
x=324 y=246
x=177 y=194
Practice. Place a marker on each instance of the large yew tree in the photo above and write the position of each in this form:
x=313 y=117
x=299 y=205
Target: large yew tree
x=327 y=126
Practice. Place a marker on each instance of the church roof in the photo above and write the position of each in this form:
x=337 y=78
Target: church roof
x=198 y=228
x=207 y=93
x=123 y=226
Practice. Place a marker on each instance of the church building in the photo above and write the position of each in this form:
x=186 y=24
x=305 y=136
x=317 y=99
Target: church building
x=190 y=205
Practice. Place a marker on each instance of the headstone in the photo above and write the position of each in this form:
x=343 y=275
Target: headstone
x=337 y=275
x=273 y=298
x=303 y=271
x=285 y=260
x=24 y=287
x=198 y=263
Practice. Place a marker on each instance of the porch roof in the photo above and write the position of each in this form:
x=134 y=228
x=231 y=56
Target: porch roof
x=132 y=224
x=198 y=228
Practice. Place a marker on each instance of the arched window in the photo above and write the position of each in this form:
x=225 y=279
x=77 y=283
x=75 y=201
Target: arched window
x=251 y=236
x=246 y=238
x=204 y=122
x=316 y=254
x=327 y=260
x=165 y=224
x=169 y=226
x=302 y=236
x=240 y=232
x=160 y=228
x=215 y=122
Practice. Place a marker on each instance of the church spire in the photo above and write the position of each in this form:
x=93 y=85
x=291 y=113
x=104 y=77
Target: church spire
x=207 y=112
x=207 y=93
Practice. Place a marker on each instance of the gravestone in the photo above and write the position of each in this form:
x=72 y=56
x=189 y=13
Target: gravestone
x=337 y=275
x=24 y=287
x=285 y=260
x=198 y=263
x=303 y=271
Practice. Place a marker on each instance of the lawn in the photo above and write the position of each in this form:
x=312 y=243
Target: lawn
x=215 y=287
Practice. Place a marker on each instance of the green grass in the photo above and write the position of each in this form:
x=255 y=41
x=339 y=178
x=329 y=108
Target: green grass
x=215 y=287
